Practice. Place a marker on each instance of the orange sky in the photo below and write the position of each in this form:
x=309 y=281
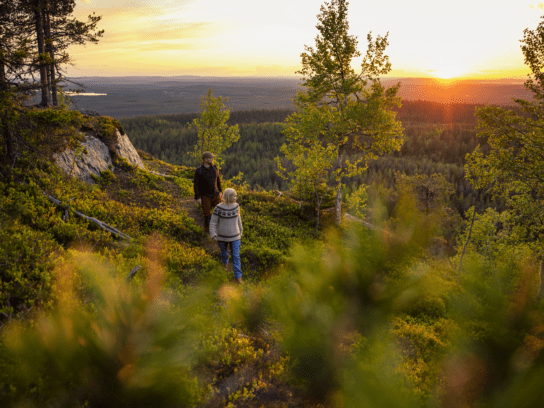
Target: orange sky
x=428 y=38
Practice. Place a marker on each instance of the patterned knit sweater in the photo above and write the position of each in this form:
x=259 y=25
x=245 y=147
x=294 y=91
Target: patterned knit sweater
x=226 y=223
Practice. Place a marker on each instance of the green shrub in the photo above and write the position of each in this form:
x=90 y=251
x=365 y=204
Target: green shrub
x=186 y=186
x=28 y=259
x=124 y=164
x=134 y=351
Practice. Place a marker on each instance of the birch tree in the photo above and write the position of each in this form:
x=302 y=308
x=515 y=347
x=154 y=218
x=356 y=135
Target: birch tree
x=214 y=134
x=311 y=157
x=353 y=112
x=514 y=166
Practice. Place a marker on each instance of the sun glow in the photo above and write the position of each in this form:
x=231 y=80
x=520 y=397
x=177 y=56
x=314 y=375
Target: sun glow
x=449 y=72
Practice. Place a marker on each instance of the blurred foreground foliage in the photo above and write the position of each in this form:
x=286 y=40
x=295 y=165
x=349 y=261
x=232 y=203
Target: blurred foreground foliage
x=360 y=318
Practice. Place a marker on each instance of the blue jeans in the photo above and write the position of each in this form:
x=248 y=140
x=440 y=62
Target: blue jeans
x=235 y=249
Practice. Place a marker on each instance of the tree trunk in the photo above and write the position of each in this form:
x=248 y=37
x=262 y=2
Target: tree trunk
x=9 y=141
x=41 y=51
x=319 y=200
x=338 y=201
x=465 y=246
x=52 y=86
x=338 y=205
x=3 y=79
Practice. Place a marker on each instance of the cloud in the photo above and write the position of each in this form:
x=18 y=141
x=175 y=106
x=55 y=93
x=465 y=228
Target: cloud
x=160 y=37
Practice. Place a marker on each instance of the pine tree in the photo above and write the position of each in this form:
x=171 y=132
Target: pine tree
x=55 y=30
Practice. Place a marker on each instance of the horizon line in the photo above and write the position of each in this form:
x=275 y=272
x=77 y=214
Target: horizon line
x=189 y=76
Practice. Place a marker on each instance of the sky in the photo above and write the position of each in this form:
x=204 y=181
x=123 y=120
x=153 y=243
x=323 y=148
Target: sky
x=476 y=39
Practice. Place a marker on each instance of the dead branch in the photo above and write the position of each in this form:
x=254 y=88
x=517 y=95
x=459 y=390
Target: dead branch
x=132 y=273
x=101 y=224
x=160 y=174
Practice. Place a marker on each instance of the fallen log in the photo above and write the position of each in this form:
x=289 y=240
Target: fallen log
x=101 y=224
x=160 y=174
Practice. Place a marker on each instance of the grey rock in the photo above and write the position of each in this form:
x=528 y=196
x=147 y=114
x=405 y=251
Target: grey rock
x=93 y=156
x=125 y=148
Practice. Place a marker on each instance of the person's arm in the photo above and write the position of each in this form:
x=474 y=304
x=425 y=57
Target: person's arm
x=219 y=182
x=240 y=224
x=195 y=187
x=213 y=225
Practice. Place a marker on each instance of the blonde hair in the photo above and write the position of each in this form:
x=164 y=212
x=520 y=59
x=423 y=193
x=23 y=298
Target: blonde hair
x=229 y=196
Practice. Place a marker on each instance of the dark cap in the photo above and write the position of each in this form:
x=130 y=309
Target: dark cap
x=207 y=155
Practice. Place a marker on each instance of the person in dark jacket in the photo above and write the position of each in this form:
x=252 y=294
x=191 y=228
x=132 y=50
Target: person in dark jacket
x=207 y=186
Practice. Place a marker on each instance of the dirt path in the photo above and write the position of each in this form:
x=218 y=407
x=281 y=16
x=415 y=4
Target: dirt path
x=194 y=211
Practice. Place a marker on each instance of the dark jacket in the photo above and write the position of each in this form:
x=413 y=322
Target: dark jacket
x=205 y=182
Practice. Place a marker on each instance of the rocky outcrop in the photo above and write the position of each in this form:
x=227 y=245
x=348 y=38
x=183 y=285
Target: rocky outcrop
x=93 y=156
x=124 y=148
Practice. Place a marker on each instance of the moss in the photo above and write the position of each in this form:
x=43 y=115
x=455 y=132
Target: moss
x=124 y=164
x=106 y=130
x=144 y=155
x=53 y=129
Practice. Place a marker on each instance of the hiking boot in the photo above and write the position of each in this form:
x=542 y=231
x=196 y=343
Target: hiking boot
x=238 y=281
x=225 y=267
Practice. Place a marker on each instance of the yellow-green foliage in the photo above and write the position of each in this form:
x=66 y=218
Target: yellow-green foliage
x=355 y=318
x=132 y=350
x=124 y=164
x=144 y=178
x=229 y=348
x=424 y=344
x=27 y=257
x=246 y=370
x=106 y=177
x=162 y=199
x=185 y=184
x=186 y=262
x=52 y=129
x=271 y=226
x=36 y=230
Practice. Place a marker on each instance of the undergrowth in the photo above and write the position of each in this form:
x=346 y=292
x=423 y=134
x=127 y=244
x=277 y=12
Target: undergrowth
x=346 y=316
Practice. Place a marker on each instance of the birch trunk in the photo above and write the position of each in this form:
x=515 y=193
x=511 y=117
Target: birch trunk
x=338 y=200
x=319 y=200
x=465 y=246
x=338 y=205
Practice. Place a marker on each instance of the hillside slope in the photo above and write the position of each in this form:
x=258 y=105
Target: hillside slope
x=344 y=317
x=48 y=252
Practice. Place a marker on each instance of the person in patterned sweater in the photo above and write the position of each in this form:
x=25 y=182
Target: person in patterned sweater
x=207 y=187
x=226 y=228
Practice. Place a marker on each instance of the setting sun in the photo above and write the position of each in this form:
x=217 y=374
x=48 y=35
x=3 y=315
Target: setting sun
x=450 y=70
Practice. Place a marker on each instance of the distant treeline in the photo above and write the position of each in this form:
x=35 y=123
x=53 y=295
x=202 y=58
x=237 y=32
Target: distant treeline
x=253 y=154
x=410 y=111
x=437 y=139
x=240 y=117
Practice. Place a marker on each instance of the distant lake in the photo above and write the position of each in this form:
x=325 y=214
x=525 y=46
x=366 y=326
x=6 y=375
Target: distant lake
x=85 y=94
